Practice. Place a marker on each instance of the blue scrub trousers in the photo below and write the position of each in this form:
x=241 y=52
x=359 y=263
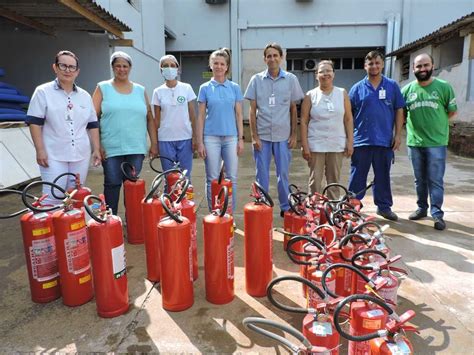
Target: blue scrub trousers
x=380 y=158
x=282 y=155
x=179 y=151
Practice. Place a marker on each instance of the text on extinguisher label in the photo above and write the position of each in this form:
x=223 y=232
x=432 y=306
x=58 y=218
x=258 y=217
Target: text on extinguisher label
x=230 y=259
x=77 y=251
x=43 y=259
x=119 y=262
x=322 y=329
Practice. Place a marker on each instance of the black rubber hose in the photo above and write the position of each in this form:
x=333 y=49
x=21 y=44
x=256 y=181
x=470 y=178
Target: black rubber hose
x=293 y=188
x=294 y=200
x=252 y=322
x=184 y=182
x=161 y=157
x=292 y=252
x=336 y=213
x=337 y=266
x=55 y=182
x=170 y=213
x=327 y=213
x=266 y=197
x=363 y=252
x=350 y=237
x=27 y=203
x=14 y=214
x=350 y=299
x=89 y=210
x=300 y=279
x=335 y=185
x=221 y=173
x=223 y=191
x=123 y=167
x=366 y=224
x=155 y=184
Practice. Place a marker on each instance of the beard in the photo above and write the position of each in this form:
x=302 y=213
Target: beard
x=424 y=76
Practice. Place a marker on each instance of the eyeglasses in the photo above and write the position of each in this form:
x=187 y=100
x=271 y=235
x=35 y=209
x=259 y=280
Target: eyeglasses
x=65 y=67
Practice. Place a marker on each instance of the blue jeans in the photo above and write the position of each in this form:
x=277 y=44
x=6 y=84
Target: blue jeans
x=428 y=166
x=380 y=158
x=180 y=151
x=220 y=148
x=282 y=155
x=113 y=176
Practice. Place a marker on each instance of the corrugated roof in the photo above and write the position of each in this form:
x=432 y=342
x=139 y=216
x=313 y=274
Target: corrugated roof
x=52 y=16
x=437 y=36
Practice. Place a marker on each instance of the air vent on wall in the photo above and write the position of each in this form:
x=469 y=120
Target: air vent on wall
x=309 y=65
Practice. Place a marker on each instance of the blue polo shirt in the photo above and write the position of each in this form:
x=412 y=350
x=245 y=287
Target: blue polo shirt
x=374 y=116
x=220 y=99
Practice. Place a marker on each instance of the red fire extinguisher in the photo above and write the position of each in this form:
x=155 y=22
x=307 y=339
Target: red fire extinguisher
x=370 y=318
x=178 y=194
x=176 y=257
x=318 y=323
x=134 y=192
x=219 y=252
x=72 y=249
x=172 y=175
x=81 y=191
x=216 y=186
x=295 y=218
x=40 y=249
x=258 y=220
x=152 y=212
x=108 y=259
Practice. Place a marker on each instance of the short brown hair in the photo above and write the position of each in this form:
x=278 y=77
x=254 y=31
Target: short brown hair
x=221 y=52
x=274 y=46
x=374 y=54
x=69 y=53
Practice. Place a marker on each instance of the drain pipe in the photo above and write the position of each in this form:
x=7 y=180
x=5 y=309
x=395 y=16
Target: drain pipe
x=389 y=45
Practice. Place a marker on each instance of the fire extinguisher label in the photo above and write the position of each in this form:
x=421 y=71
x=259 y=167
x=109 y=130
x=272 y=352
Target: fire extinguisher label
x=374 y=313
x=119 y=263
x=43 y=259
x=77 y=251
x=230 y=259
x=399 y=348
x=371 y=323
x=322 y=329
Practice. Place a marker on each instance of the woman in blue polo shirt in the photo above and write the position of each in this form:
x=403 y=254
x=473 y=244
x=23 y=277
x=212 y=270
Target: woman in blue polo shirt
x=219 y=129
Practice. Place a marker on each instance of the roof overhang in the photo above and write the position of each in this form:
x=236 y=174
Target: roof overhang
x=53 y=16
x=464 y=24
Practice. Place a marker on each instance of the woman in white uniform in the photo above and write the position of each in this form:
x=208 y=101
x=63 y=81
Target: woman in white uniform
x=63 y=125
x=326 y=129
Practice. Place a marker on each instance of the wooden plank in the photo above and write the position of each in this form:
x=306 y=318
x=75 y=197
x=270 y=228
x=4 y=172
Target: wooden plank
x=121 y=42
x=13 y=16
x=73 y=5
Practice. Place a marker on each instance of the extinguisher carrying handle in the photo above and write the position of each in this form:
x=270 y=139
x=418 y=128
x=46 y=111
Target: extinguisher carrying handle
x=179 y=188
x=254 y=323
x=340 y=213
x=31 y=206
x=291 y=253
x=260 y=192
x=295 y=201
x=364 y=252
x=165 y=198
x=55 y=182
x=222 y=196
x=124 y=166
x=14 y=214
x=155 y=184
x=175 y=163
x=365 y=337
x=100 y=217
x=299 y=279
x=346 y=192
x=344 y=266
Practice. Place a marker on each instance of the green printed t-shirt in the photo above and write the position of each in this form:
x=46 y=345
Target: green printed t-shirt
x=427 y=113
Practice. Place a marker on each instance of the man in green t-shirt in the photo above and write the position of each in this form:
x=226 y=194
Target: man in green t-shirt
x=430 y=103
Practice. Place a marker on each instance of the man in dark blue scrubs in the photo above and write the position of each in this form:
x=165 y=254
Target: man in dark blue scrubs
x=377 y=107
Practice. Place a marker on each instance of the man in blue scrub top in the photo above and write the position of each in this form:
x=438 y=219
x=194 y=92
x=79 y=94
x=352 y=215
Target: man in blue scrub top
x=273 y=95
x=377 y=107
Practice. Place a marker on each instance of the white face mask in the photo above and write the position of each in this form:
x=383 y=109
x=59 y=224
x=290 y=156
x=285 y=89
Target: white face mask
x=169 y=73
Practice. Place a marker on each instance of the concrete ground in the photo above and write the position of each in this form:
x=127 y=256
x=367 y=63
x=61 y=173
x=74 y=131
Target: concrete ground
x=439 y=285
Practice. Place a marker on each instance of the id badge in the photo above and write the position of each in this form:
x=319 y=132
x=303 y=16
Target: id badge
x=69 y=115
x=330 y=106
x=382 y=94
x=272 y=101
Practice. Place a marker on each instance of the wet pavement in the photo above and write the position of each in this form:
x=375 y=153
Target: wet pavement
x=439 y=285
